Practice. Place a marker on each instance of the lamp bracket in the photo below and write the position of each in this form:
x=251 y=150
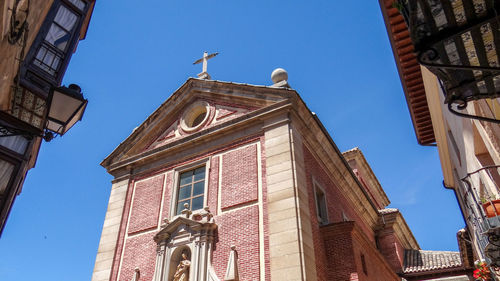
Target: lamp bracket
x=7 y=131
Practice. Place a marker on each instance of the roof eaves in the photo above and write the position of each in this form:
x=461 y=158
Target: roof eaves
x=409 y=72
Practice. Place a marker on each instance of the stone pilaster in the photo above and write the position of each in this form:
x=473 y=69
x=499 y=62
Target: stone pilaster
x=110 y=230
x=290 y=240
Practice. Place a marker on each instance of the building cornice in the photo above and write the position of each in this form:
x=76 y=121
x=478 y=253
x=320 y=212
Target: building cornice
x=357 y=155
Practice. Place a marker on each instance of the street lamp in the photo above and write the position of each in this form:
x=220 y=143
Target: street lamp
x=66 y=108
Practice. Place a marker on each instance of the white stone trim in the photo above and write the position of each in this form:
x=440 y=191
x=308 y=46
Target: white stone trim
x=219 y=187
x=110 y=231
x=163 y=196
x=262 y=257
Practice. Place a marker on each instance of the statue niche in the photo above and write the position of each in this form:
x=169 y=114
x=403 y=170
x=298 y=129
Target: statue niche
x=184 y=248
x=181 y=272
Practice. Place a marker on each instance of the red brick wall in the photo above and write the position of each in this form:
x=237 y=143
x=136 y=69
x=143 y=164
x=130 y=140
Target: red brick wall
x=239 y=228
x=140 y=251
x=377 y=267
x=344 y=244
x=400 y=252
x=336 y=201
x=146 y=204
x=239 y=177
x=336 y=204
x=392 y=250
x=338 y=249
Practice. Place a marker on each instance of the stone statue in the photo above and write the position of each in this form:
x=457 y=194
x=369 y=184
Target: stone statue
x=182 y=272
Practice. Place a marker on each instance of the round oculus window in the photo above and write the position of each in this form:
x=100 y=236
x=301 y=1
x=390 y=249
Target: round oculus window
x=195 y=116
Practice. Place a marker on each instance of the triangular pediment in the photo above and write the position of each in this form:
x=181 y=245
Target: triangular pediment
x=179 y=226
x=181 y=115
x=216 y=113
x=187 y=223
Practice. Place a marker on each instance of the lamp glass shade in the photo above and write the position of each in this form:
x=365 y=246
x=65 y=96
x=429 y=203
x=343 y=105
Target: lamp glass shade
x=67 y=108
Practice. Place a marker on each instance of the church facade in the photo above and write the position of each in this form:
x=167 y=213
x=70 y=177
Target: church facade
x=228 y=181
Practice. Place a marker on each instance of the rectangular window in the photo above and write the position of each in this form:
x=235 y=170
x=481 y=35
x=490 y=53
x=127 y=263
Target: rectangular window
x=51 y=50
x=363 y=264
x=191 y=190
x=55 y=44
x=321 y=205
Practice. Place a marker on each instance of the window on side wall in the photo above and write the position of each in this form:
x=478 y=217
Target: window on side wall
x=191 y=189
x=320 y=199
x=363 y=264
x=50 y=52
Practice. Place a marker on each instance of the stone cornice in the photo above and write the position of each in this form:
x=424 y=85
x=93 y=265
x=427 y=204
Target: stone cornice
x=395 y=222
x=357 y=155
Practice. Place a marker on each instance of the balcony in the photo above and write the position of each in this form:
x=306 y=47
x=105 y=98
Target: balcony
x=482 y=212
x=459 y=41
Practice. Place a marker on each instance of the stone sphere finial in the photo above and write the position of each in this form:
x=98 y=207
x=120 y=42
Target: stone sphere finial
x=278 y=75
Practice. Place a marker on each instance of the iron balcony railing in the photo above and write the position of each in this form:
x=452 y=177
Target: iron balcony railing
x=482 y=213
x=459 y=41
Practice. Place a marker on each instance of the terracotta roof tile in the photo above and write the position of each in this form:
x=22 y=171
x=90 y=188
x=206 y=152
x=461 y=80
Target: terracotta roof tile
x=421 y=261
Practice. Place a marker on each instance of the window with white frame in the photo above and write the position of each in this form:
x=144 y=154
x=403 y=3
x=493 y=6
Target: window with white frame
x=321 y=209
x=191 y=189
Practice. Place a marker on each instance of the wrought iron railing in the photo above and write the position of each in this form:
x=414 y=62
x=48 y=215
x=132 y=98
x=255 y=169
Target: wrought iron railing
x=459 y=42
x=485 y=225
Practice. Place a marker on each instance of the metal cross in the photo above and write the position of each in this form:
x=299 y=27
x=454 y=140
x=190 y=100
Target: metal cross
x=204 y=59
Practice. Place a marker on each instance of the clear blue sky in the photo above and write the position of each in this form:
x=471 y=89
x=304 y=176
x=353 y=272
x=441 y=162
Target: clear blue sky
x=137 y=53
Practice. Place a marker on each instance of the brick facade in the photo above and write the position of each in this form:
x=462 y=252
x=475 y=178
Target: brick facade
x=337 y=256
x=260 y=188
x=146 y=204
x=338 y=208
x=338 y=205
x=239 y=177
x=140 y=252
x=239 y=228
x=391 y=248
x=345 y=243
